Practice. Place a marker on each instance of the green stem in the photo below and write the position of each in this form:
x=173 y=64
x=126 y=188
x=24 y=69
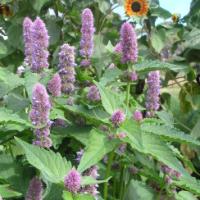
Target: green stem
x=121 y=183
x=127 y=96
x=110 y=161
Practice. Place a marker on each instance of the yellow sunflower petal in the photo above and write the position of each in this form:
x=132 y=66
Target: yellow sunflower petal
x=136 y=7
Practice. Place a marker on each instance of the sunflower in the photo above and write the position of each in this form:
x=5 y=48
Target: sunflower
x=136 y=7
x=175 y=18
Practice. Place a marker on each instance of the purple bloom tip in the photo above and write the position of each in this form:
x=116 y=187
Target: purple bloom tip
x=35 y=190
x=128 y=43
x=137 y=116
x=118 y=117
x=72 y=181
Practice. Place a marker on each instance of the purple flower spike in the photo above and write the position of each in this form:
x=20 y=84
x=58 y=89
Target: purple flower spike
x=87 y=30
x=153 y=93
x=93 y=94
x=54 y=85
x=118 y=117
x=40 y=43
x=27 y=29
x=66 y=66
x=137 y=116
x=35 y=190
x=39 y=116
x=73 y=181
x=128 y=43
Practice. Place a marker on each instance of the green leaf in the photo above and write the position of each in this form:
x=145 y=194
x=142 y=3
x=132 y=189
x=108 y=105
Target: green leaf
x=160 y=12
x=38 y=4
x=151 y=145
x=88 y=180
x=54 y=31
x=152 y=65
x=158 y=40
x=189 y=183
x=110 y=75
x=192 y=39
x=7 y=116
x=139 y=191
x=3 y=50
x=82 y=135
x=98 y=146
x=169 y=133
x=195 y=131
x=15 y=36
x=67 y=195
x=110 y=100
x=6 y=81
x=52 y=165
x=7 y=192
x=185 y=195
x=30 y=80
x=15 y=174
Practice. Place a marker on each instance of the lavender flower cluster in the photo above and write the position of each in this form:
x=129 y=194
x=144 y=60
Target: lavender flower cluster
x=118 y=117
x=170 y=174
x=153 y=93
x=73 y=179
x=39 y=116
x=36 y=42
x=54 y=85
x=93 y=94
x=128 y=42
x=35 y=190
x=66 y=68
x=87 y=30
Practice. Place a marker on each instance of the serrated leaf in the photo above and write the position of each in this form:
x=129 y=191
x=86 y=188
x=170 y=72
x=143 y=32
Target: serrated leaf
x=7 y=192
x=30 y=80
x=98 y=146
x=7 y=117
x=110 y=100
x=152 y=65
x=170 y=133
x=52 y=165
x=38 y=4
x=6 y=81
x=189 y=183
x=139 y=191
x=88 y=180
x=151 y=145
x=185 y=195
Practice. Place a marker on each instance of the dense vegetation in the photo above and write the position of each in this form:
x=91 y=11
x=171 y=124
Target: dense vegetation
x=96 y=104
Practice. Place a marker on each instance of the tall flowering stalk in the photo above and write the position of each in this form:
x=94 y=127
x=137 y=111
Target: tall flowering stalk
x=128 y=43
x=27 y=34
x=54 y=85
x=36 y=41
x=40 y=44
x=87 y=30
x=35 y=190
x=153 y=93
x=66 y=68
x=39 y=116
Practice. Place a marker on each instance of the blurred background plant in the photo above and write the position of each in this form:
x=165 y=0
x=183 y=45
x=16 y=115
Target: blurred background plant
x=166 y=41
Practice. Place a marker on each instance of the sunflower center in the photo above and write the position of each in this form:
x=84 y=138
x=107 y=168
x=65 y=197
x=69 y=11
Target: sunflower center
x=136 y=6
